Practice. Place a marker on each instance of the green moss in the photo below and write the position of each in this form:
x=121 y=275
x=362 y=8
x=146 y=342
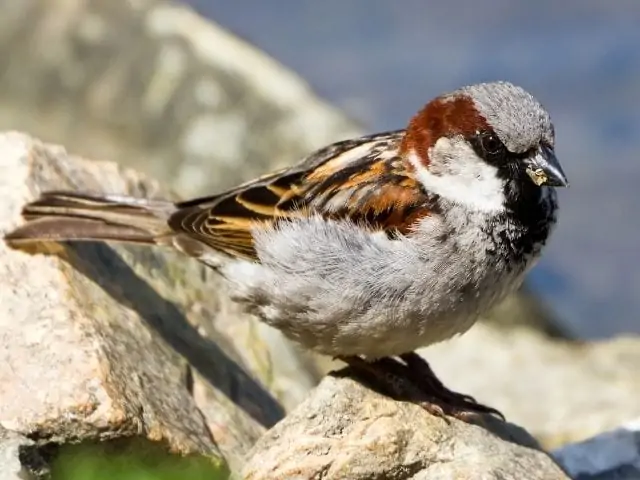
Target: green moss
x=132 y=460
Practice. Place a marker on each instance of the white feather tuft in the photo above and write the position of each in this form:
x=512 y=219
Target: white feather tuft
x=457 y=174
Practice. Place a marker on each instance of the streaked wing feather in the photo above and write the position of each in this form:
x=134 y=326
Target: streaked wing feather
x=360 y=180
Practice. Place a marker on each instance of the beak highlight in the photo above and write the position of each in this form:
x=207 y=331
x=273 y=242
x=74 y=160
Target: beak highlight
x=544 y=169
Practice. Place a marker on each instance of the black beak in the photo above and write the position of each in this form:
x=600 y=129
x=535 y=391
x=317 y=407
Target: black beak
x=544 y=169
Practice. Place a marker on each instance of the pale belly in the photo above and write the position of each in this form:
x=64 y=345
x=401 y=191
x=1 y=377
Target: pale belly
x=376 y=337
x=381 y=298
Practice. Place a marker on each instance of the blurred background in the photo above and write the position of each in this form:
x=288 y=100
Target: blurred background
x=82 y=74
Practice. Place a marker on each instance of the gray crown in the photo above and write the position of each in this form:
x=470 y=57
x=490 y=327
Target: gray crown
x=518 y=119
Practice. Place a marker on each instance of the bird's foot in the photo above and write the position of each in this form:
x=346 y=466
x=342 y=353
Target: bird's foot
x=454 y=404
x=413 y=379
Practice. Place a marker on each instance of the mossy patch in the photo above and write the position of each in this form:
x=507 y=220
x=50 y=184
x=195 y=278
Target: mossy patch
x=132 y=460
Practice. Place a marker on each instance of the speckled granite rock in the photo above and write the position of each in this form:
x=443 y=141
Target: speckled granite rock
x=346 y=431
x=102 y=342
x=14 y=451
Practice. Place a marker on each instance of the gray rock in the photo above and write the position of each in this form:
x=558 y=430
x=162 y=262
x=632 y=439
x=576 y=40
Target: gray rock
x=14 y=450
x=613 y=455
x=101 y=342
x=346 y=431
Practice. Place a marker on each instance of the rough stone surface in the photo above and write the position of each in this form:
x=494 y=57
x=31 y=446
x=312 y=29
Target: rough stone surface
x=101 y=342
x=346 y=431
x=613 y=455
x=12 y=448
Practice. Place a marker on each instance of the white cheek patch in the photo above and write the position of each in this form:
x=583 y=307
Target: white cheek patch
x=462 y=176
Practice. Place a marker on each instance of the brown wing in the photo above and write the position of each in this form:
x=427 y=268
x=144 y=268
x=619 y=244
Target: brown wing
x=361 y=180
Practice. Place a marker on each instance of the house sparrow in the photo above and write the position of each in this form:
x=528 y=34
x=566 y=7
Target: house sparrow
x=368 y=248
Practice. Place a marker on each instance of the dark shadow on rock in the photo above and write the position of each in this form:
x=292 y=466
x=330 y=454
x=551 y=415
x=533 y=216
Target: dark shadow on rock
x=103 y=265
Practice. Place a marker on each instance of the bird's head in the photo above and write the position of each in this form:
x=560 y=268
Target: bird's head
x=482 y=145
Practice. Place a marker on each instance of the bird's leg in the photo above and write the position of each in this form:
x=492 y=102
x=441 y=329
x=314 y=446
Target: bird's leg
x=455 y=404
x=414 y=380
x=385 y=373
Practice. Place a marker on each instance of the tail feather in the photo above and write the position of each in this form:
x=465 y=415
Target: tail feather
x=59 y=215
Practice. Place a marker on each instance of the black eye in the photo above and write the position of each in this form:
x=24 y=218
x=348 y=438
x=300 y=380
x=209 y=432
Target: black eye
x=492 y=145
x=488 y=146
